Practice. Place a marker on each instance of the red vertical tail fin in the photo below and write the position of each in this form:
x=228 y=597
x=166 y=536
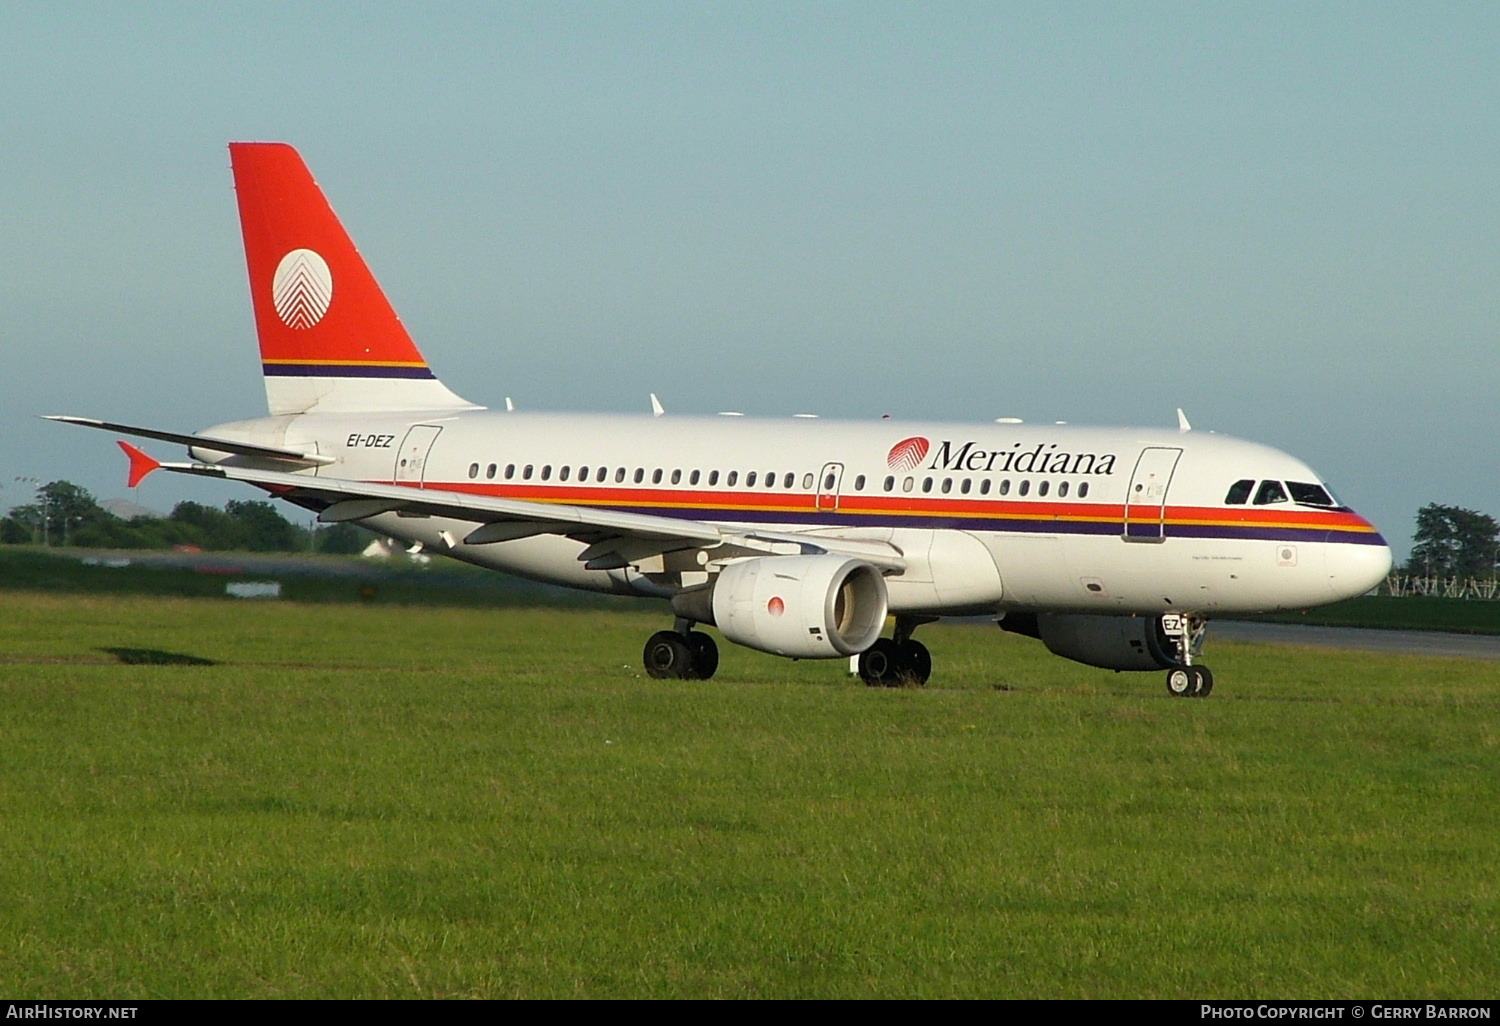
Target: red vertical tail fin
x=329 y=339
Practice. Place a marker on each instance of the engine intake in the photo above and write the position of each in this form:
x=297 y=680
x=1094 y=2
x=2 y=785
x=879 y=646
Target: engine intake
x=805 y=607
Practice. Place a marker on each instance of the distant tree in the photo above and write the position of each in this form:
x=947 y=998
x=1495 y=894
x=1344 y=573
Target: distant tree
x=60 y=511
x=1454 y=542
x=343 y=540
x=261 y=529
x=203 y=526
x=18 y=528
x=67 y=514
x=68 y=504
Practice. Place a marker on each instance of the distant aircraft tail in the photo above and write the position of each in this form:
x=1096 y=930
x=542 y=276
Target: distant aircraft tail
x=330 y=342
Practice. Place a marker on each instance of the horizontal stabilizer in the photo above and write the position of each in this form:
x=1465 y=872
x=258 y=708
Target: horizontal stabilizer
x=265 y=452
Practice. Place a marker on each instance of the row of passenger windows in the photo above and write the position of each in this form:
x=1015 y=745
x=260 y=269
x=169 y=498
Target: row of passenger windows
x=770 y=480
x=602 y=474
x=1271 y=492
x=965 y=486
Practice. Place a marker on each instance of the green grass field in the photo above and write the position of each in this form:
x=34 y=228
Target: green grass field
x=203 y=798
x=1409 y=613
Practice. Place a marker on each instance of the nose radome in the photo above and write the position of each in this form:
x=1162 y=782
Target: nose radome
x=1354 y=570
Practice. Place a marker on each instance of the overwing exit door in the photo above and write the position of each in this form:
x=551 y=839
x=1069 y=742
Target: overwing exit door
x=829 y=479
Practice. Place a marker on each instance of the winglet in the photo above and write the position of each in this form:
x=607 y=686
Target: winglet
x=140 y=463
x=1182 y=421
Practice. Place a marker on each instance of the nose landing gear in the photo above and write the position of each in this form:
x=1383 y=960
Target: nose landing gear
x=1189 y=680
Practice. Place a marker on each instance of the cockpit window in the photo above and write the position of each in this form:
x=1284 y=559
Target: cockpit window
x=1270 y=491
x=1310 y=494
x=1239 y=493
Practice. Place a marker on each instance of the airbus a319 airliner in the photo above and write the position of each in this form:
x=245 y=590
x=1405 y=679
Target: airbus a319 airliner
x=798 y=537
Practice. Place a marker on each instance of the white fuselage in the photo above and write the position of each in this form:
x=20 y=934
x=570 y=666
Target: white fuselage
x=984 y=517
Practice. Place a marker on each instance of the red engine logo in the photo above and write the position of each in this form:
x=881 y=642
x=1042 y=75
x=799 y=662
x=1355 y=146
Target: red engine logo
x=776 y=607
x=907 y=454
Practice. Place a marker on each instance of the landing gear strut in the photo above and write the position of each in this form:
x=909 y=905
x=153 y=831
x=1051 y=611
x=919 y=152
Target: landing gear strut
x=897 y=661
x=1190 y=680
x=681 y=654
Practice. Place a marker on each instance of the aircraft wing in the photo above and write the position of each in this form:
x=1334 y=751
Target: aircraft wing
x=616 y=538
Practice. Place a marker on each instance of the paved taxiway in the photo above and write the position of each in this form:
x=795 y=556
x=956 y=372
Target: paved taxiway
x=1432 y=643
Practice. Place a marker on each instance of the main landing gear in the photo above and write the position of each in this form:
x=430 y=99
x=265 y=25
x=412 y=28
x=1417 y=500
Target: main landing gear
x=682 y=654
x=898 y=661
x=1190 y=680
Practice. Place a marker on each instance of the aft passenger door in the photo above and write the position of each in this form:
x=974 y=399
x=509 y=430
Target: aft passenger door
x=1146 y=501
x=411 y=459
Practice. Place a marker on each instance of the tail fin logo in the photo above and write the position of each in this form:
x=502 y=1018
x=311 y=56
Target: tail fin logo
x=302 y=289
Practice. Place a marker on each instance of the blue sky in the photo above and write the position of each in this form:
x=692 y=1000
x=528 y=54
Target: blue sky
x=1281 y=217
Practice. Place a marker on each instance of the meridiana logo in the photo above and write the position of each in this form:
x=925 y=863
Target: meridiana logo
x=907 y=454
x=302 y=289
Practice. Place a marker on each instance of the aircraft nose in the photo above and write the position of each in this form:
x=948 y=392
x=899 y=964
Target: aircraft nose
x=1354 y=569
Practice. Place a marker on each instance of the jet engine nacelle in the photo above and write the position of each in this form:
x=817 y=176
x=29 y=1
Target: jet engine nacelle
x=806 y=607
x=1109 y=642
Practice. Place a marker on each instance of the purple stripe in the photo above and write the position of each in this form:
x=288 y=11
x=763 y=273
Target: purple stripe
x=355 y=370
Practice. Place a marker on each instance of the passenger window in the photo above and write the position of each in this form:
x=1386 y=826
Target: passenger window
x=676 y=477
x=807 y=480
x=562 y=475
x=1062 y=490
x=1025 y=487
x=859 y=483
x=510 y=471
x=829 y=481
x=906 y=485
x=1083 y=490
x=1239 y=493
x=926 y=484
x=640 y=474
x=984 y=487
x=619 y=475
x=1005 y=487
x=1311 y=494
x=750 y=479
x=601 y=474
x=547 y=472
x=965 y=486
x=771 y=480
x=734 y=476
x=713 y=478
x=890 y=484
x=1270 y=491
x=1041 y=489
x=947 y=485
x=790 y=480
x=473 y=470
x=693 y=478
x=526 y=474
